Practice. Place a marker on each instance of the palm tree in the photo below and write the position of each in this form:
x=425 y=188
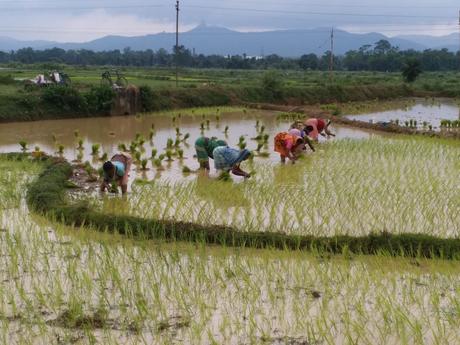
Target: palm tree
x=411 y=70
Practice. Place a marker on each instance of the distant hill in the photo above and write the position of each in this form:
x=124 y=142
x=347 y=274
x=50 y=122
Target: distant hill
x=216 y=40
x=451 y=42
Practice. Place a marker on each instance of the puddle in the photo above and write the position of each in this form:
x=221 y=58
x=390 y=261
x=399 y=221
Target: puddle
x=428 y=111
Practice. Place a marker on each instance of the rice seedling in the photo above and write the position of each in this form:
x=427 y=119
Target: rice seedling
x=169 y=144
x=180 y=154
x=144 y=163
x=122 y=147
x=80 y=144
x=186 y=137
x=60 y=149
x=137 y=156
x=95 y=148
x=154 y=153
x=169 y=154
x=76 y=133
x=104 y=157
x=151 y=134
x=23 y=145
x=226 y=130
x=186 y=170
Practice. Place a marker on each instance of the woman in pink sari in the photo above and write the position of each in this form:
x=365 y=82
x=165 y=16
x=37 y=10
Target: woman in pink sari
x=320 y=127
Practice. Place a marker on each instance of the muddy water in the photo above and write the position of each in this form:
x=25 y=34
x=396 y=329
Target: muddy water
x=429 y=111
x=110 y=132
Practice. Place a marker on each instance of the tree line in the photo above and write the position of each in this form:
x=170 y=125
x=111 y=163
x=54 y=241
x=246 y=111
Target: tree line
x=381 y=56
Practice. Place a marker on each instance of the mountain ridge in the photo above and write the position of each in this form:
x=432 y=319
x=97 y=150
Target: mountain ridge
x=209 y=40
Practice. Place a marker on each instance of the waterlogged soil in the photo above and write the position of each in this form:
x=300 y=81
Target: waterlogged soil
x=110 y=132
x=431 y=112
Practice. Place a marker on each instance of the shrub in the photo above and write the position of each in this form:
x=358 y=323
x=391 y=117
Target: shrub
x=272 y=84
x=100 y=99
x=65 y=99
x=147 y=98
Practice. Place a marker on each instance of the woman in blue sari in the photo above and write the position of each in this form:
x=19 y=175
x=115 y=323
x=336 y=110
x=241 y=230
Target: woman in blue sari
x=228 y=159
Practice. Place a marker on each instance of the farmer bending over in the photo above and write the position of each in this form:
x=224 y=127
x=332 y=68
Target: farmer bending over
x=205 y=149
x=289 y=145
x=228 y=159
x=320 y=127
x=304 y=135
x=117 y=170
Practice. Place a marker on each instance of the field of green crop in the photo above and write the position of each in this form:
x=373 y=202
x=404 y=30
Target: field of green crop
x=349 y=187
x=161 y=78
x=70 y=285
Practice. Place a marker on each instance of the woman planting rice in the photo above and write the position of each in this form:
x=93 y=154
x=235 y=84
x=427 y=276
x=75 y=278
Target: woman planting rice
x=205 y=149
x=304 y=135
x=289 y=145
x=117 y=170
x=320 y=127
x=228 y=159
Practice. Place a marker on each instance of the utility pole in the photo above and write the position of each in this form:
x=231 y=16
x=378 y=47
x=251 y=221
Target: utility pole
x=331 y=62
x=177 y=42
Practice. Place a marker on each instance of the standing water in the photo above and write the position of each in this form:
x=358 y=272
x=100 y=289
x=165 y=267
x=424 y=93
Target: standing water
x=425 y=112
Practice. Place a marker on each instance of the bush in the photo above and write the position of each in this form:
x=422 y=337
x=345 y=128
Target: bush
x=272 y=84
x=147 y=98
x=100 y=99
x=65 y=98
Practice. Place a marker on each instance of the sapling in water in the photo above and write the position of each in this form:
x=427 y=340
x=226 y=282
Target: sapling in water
x=259 y=147
x=151 y=134
x=226 y=130
x=95 y=149
x=137 y=156
x=122 y=147
x=23 y=145
x=154 y=153
x=169 y=155
x=202 y=126
x=76 y=133
x=177 y=143
x=169 y=143
x=186 y=170
x=186 y=136
x=104 y=157
x=180 y=153
x=60 y=149
x=144 y=164
x=80 y=144
x=178 y=133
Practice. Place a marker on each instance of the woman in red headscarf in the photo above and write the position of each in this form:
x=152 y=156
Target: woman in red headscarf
x=320 y=127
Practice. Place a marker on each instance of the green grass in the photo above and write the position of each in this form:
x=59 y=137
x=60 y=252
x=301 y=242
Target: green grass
x=209 y=87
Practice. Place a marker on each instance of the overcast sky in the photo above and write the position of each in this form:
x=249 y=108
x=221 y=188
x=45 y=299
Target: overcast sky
x=82 y=20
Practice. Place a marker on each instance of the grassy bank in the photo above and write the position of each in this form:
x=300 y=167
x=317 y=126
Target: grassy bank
x=47 y=195
x=199 y=88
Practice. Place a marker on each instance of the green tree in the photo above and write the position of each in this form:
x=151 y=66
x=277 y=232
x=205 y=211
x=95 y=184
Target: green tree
x=411 y=70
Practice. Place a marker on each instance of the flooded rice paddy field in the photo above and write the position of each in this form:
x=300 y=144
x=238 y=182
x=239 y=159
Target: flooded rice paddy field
x=425 y=111
x=110 y=132
x=63 y=285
